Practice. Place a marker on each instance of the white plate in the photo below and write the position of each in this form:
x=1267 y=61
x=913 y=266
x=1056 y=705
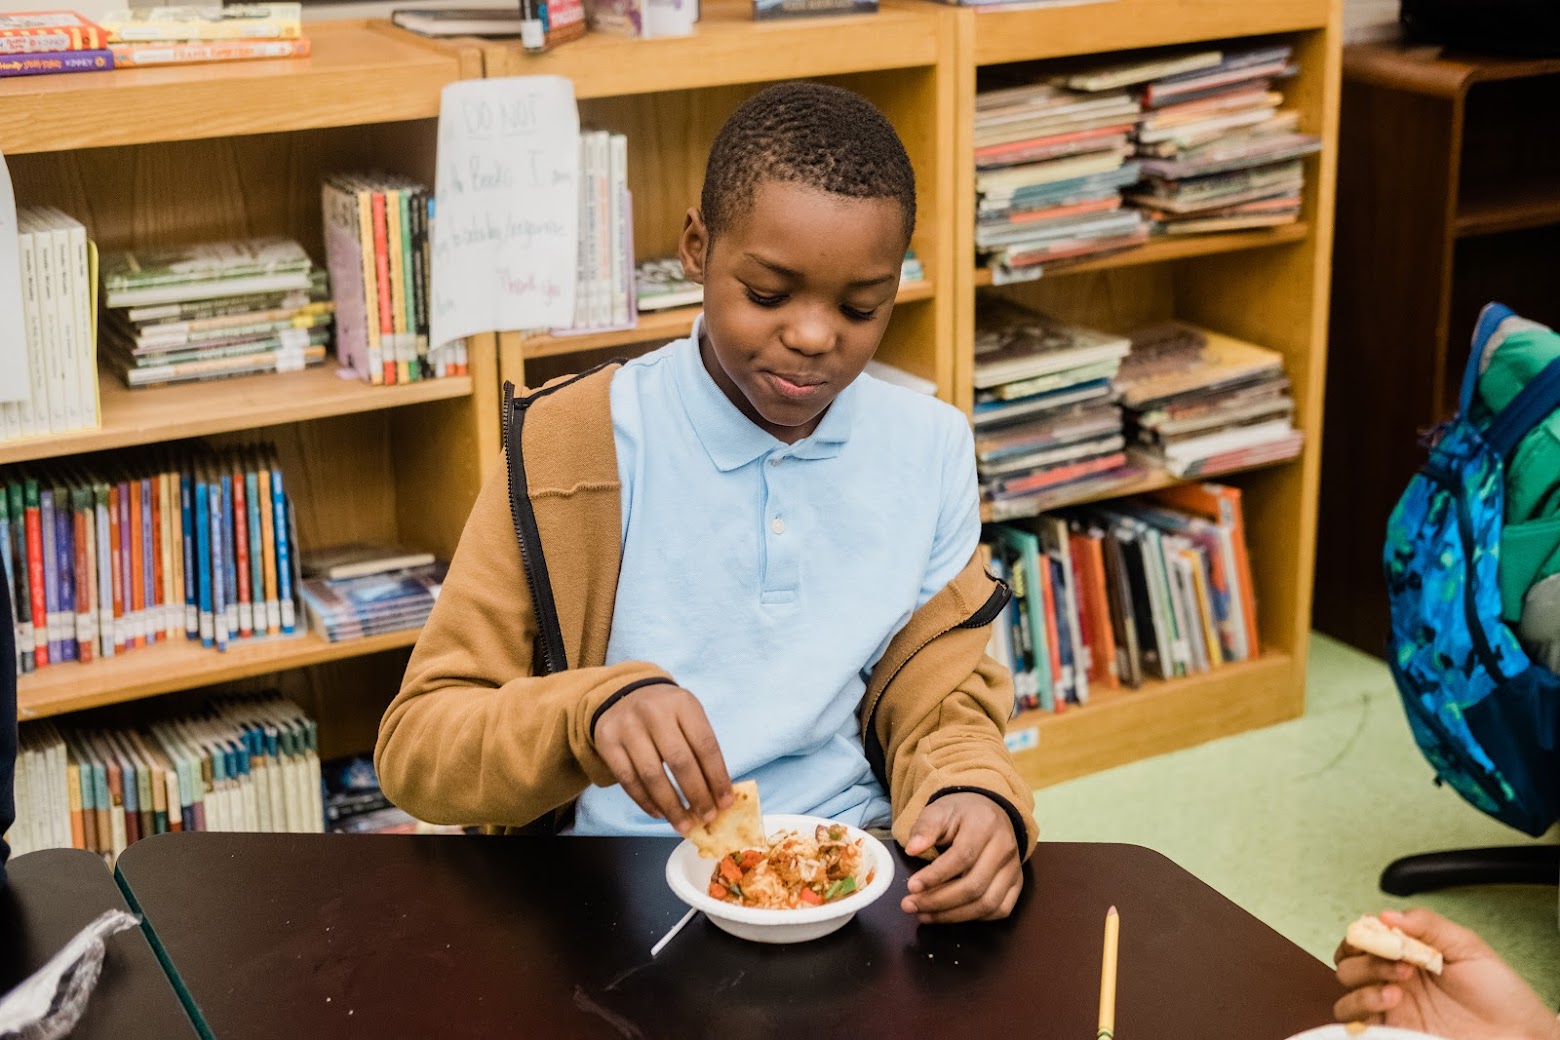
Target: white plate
x=1371 y=1033
x=688 y=874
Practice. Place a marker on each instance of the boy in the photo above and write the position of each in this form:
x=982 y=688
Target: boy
x=763 y=562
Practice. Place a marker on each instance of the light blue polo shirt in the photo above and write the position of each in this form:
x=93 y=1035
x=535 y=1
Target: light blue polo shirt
x=768 y=578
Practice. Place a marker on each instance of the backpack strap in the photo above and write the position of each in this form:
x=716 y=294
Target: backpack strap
x=1489 y=320
x=550 y=654
x=1530 y=407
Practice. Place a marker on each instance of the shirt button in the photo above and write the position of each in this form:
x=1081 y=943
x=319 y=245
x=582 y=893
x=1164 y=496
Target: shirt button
x=777 y=525
x=774 y=461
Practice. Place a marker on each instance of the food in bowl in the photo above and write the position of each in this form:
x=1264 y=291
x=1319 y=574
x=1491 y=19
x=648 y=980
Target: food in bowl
x=793 y=871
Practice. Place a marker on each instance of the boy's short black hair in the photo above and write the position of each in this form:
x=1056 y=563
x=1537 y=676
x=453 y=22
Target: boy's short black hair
x=805 y=133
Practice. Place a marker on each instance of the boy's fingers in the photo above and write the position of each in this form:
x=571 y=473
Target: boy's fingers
x=969 y=888
x=700 y=737
x=975 y=911
x=954 y=862
x=1369 y=1004
x=1454 y=941
x=648 y=765
x=623 y=768
x=673 y=749
x=1359 y=971
x=934 y=826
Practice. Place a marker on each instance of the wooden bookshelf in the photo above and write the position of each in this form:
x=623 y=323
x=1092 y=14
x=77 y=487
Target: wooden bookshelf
x=170 y=155
x=652 y=326
x=357 y=73
x=154 y=415
x=1526 y=204
x=182 y=665
x=1268 y=287
x=1164 y=250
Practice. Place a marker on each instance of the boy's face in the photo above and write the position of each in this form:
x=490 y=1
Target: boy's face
x=797 y=295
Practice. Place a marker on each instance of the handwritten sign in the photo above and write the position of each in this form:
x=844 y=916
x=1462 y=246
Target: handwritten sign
x=506 y=224
x=15 y=380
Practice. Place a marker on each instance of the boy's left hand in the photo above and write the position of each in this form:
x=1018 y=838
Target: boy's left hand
x=978 y=875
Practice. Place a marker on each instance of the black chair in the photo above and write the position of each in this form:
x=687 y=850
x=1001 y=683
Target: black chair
x=1509 y=865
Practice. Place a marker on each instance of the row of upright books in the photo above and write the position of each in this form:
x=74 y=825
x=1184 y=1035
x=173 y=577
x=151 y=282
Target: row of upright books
x=378 y=245
x=243 y=764
x=39 y=43
x=1145 y=588
x=1063 y=412
x=104 y=555
x=604 y=296
x=1095 y=161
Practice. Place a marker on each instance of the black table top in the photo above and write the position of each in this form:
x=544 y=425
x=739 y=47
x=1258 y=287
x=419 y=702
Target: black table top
x=54 y=894
x=418 y=936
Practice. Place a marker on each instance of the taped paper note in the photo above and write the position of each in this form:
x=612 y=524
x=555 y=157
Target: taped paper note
x=506 y=226
x=15 y=379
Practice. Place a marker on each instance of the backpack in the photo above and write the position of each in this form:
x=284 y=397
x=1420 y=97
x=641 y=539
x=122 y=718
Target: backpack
x=1484 y=714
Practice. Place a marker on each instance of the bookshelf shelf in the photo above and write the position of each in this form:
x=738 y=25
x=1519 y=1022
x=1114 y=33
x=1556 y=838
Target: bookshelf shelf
x=358 y=72
x=1509 y=207
x=1154 y=479
x=1121 y=725
x=1166 y=250
x=728 y=47
x=153 y=415
x=673 y=323
x=1007 y=36
x=181 y=665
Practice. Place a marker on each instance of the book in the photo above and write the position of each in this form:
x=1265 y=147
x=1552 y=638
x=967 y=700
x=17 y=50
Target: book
x=360 y=560
x=204 y=272
x=764 y=10
x=659 y=284
x=1125 y=74
x=1014 y=343
x=55 y=62
x=215 y=22
x=135 y=55
x=33 y=32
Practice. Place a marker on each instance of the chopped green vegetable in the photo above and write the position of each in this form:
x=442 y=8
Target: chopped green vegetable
x=842 y=887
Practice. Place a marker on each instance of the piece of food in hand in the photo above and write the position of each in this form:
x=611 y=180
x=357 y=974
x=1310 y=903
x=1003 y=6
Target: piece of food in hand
x=1374 y=936
x=791 y=871
x=740 y=826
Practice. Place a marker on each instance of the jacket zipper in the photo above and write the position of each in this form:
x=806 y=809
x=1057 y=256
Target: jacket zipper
x=982 y=615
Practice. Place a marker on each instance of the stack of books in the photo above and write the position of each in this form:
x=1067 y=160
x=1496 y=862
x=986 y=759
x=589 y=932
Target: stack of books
x=188 y=35
x=58 y=322
x=1217 y=149
x=110 y=553
x=212 y=311
x=371 y=602
x=1046 y=415
x=243 y=764
x=1157 y=587
x=42 y=43
x=659 y=284
x=354 y=803
x=378 y=249
x=604 y=294
x=1198 y=405
x=1051 y=162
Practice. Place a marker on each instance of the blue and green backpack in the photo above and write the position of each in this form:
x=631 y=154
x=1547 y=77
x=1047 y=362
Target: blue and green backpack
x=1484 y=714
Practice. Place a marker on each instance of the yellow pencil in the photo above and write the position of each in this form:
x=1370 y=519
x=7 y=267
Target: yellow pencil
x=1108 y=977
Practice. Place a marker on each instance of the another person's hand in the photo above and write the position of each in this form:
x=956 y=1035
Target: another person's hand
x=659 y=727
x=1476 y=997
x=978 y=875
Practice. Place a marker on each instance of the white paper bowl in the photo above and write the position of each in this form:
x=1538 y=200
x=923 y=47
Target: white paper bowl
x=689 y=876
x=1338 y=1032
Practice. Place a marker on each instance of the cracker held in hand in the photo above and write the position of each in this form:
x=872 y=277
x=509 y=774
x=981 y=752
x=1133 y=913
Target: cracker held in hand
x=1374 y=936
x=739 y=827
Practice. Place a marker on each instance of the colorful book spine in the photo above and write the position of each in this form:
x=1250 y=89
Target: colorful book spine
x=284 y=590
x=86 y=573
x=119 y=562
x=187 y=520
x=134 y=55
x=203 y=556
x=396 y=262
x=49 y=32
x=51 y=572
x=137 y=553
x=55 y=63
x=273 y=607
x=157 y=629
x=382 y=280
x=219 y=614
x=246 y=613
x=256 y=543
x=229 y=557
x=21 y=578
x=376 y=353
x=65 y=571
x=106 y=569
x=148 y=544
x=36 y=573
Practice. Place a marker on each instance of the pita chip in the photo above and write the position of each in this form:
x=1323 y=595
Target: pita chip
x=741 y=826
x=1375 y=937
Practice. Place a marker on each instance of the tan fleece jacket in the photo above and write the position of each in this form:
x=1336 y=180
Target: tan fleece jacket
x=474 y=737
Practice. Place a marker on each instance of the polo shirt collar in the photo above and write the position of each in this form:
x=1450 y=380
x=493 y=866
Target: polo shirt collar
x=730 y=438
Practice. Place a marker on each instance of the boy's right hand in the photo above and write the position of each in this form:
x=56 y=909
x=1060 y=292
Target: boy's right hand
x=659 y=727
x=1476 y=997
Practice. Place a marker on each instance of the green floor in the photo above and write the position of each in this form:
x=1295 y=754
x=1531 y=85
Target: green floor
x=1295 y=822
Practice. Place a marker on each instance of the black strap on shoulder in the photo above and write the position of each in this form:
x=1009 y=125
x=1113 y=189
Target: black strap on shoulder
x=550 y=654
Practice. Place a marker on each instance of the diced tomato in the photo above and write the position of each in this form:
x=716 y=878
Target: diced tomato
x=717 y=890
x=750 y=859
x=730 y=871
x=811 y=898
x=870 y=875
